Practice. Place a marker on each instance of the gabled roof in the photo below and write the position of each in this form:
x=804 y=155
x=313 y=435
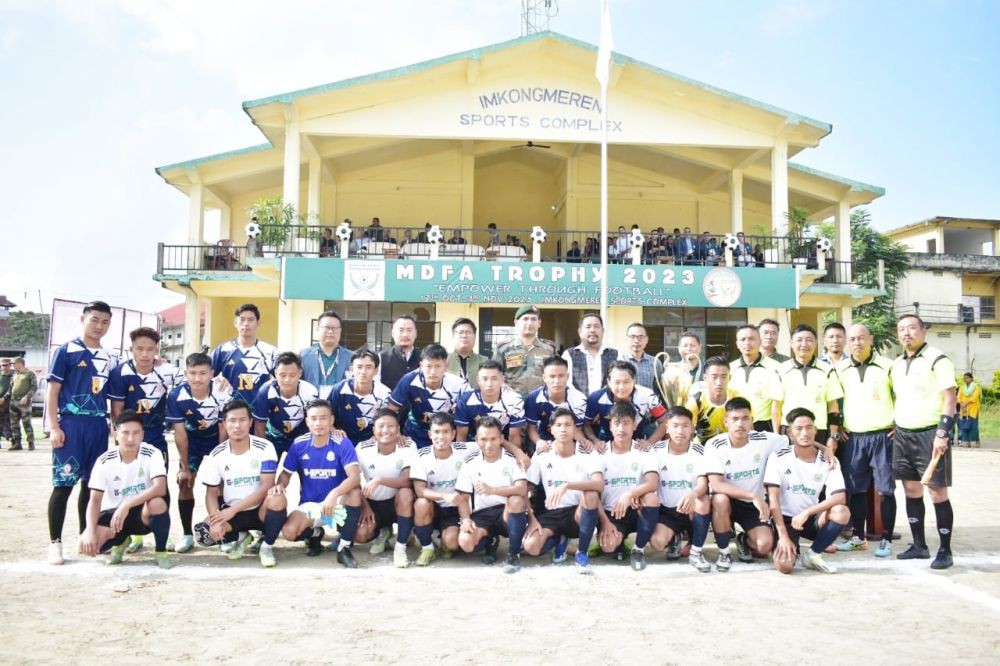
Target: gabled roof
x=174 y=315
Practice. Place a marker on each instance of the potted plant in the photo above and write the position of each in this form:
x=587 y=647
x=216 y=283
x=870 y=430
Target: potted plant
x=276 y=219
x=308 y=236
x=798 y=244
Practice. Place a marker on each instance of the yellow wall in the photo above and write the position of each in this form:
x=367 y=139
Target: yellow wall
x=219 y=319
x=515 y=196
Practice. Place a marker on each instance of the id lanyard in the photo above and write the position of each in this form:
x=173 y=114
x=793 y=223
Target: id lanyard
x=322 y=369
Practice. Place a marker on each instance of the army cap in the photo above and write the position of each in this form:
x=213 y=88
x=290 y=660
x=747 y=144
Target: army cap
x=527 y=309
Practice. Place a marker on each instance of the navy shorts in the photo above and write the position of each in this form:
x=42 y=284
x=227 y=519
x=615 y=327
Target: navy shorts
x=911 y=454
x=86 y=441
x=864 y=456
x=561 y=521
x=198 y=449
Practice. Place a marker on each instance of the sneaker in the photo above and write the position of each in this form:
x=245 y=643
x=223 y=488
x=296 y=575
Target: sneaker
x=204 y=534
x=854 y=543
x=426 y=556
x=583 y=564
x=559 y=553
x=725 y=562
x=698 y=561
x=915 y=552
x=620 y=552
x=185 y=545
x=163 y=560
x=638 y=560
x=117 y=554
x=135 y=544
x=942 y=560
x=399 y=559
x=742 y=548
x=55 y=553
x=811 y=560
x=381 y=541
x=884 y=548
x=31 y=446
x=346 y=557
x=674 y=548
x=314 y=544
x=240 y=547
x=447 y=553
x=512 y=564
x=490 y=556
x=258 y=541
x=267 y=558
x=226 y=546
x=594 y=549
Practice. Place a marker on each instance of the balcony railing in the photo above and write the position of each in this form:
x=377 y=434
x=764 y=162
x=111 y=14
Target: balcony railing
x=949 y=313
x=193 y=258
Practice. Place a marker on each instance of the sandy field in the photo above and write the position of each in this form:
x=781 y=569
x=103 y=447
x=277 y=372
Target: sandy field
x=208 y=608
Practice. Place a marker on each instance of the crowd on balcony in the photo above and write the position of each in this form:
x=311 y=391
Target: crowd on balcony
x=663 y=247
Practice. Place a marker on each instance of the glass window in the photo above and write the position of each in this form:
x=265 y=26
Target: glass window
x=694 y=317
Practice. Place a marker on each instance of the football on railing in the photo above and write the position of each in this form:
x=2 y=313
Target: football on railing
x=731 y=242
x=824 y=245
x=252 y=229
x=637 y=239
x=537 y=235
x=343 y=231
x=434 y=235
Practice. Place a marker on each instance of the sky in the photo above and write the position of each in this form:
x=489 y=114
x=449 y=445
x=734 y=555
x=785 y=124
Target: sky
x=98 y=93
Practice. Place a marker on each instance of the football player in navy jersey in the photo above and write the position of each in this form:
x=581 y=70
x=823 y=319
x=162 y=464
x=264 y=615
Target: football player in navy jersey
x=425 y=391
x=356 y=399
x=245 y=362
x=279 y=410
x=492 y=398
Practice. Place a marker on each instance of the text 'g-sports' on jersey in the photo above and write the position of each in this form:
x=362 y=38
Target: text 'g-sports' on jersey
x=120 y=480
x=742 y=466
x=238 y=473
x=508 y=409
x=285 y=417
x=550 y=470
x=678 y=472
x=622 y=471
x=503 y=472
x=353 y=412
x=385 y=465
x=801 y=481
x=200 y=417
x=412 y=392
x=320 y=468
x=441 y=474
x=146 y=394
x=83 y=374
x=245 y=368
x=539 y=405
x=647 y=406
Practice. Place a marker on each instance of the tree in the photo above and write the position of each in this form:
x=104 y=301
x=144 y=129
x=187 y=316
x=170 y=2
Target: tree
x=867 y=247
x=26 y=330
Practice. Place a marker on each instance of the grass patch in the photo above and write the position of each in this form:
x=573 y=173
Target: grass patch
x=989 y=421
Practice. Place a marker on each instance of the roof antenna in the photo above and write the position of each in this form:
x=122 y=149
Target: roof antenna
x=535 y=15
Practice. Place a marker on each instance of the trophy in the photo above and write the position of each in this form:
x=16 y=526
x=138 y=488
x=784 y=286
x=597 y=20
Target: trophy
x=675 y=380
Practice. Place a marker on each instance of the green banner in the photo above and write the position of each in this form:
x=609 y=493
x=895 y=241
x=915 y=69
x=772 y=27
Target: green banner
x=546 y=283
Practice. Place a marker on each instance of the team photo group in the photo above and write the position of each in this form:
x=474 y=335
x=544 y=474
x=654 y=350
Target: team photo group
x=448 y=454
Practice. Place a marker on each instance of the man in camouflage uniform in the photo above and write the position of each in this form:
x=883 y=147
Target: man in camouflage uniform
x=522 y=357
x=6 y=376
x=24 y=383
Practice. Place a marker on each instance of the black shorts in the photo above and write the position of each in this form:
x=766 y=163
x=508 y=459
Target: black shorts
x=445 y=517
x=809 y=530
x=385 y=512
x=133 y=526
x=561 y=521
x=866 y=456
x=763 y=426
x=678 y=522
x=911 y=454
x=627 y=524
x=491 y=520
x=244 y=521
x=745 y=514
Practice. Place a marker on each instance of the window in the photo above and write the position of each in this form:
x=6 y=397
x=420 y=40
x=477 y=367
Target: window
x=987 y=307
x=715 y=326
x=370 y=324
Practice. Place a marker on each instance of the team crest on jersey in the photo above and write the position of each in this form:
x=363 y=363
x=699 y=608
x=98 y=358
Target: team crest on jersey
x=399 y=464
x=255 y=464
x=458 y=465
x=689 y=468
x=141 y=473
x=361 y=423
x=756 y=457
x=330 y=456
x=818 y=477
x=635 y=467
x=506 y=471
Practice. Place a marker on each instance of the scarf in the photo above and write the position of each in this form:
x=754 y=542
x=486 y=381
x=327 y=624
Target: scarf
x=969 y=389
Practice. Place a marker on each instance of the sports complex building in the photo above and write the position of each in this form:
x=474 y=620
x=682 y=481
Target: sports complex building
x=486 y=145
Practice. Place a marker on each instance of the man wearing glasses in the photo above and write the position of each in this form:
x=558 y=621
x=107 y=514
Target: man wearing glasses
x=326 y=362
x=637 y=356
x=463 y=361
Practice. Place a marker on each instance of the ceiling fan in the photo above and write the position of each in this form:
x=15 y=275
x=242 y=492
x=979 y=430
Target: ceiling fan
x=531 y=144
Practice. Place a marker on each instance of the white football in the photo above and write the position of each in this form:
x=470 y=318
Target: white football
x=253 y=230
x=538 y=234
x=637 y=238
x=344 y=231
x=434 y=235
x=824 y=245
x=731 y=242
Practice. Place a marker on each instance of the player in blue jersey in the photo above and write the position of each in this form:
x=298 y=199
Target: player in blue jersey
x=76 y=405
x=621 y=387
x=355 y=400
x=279 y=410
x=245 y=362
x=426 y=391
x=136 y=384
x=329 y=474
x=194 y=411
x=494 y=399
x=555 y=392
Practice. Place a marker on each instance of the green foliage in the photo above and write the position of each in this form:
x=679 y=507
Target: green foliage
x=867 y=247
x=798 y=245
x=27 y=330
x=276 y=219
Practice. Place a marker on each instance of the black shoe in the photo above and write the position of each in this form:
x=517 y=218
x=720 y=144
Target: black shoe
x=16 y=447
x=743 y=549
x=942 y=560
x=490 y=556
x=203 y=535
x=314 y=544
x=620 y=552
x=638 y=560
x=674 y=549
x=346 y=557
x=31 y=446
x=915 y=552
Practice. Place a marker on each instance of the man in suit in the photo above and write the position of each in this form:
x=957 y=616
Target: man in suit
x=463 y=361
x=403 y=356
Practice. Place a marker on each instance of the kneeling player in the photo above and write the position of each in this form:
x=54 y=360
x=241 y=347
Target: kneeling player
x=683 y=495
x=128 y=488
x=628 y=499
x=238 y=474
x=434 y=474
x=329 y=475
x=572 y=480
x=494 y=497
x=794 y=478
x=388 y=495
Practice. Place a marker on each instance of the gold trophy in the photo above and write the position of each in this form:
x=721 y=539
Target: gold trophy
x=675 y=380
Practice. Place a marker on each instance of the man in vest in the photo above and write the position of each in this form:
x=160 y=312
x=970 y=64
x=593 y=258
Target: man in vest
x=589 y=361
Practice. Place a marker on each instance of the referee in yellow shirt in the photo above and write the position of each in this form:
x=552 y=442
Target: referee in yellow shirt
x=755 y=377
x=923 y=380
x=811 y=383
x=867 y=451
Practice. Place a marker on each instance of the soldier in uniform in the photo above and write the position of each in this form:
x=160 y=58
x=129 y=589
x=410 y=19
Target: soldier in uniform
x=6 y=382
x=522 y=357
x=23 y=387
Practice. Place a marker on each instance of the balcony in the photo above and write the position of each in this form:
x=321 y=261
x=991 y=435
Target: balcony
x=965 y=263
x=952 y=313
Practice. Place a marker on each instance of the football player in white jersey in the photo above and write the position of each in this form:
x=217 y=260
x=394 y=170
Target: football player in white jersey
x=794 y=479
x=573 y=481
x=493 y=498
x=734 y=463
x=127 y=495
x=434 y=474
x=683 y=494
x=385 y=462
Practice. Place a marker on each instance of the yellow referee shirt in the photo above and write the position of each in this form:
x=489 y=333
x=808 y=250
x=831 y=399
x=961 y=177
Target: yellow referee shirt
x=758 y=383
x=867 y=393
x=917 y=383
x=811 y=386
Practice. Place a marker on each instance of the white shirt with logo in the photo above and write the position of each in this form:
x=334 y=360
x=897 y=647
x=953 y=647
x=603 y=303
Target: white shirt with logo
x=801 y=481
x=441 y=474
x=501 y=473
x=238 y=473
x=622 y=471
x=743 y=466
x=120 y=480
x=678 y=472
x=550 y=470
x=391 y=466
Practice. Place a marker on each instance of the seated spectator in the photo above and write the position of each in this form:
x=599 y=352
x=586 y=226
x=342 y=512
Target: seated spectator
x=744 y=252
x=408 y=236
x=375 y=232
x=494 y=234
x=456 y=238
x=422 y=236
x=574 y=255
x=590 y=250
x=667 y=255
x=758 y=255
x=327 y=246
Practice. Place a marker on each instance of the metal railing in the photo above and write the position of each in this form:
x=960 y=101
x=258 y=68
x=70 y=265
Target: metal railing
x=949 y=313
x=188 y=258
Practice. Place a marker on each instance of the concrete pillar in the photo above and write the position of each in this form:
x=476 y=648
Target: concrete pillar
x=468 y=190
x=736 y=200
x=779 y=187
x=570 y=207
x=293 y=159
x=314 y=200
x=941 y=249
x=192 y=323
x=196 y=214
x=996 y=242
x=846 y=317
x=226 y=222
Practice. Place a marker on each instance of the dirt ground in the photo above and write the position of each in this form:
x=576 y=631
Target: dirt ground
x=313 y=611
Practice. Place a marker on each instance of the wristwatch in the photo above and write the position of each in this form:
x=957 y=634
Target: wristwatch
x=940 y=432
